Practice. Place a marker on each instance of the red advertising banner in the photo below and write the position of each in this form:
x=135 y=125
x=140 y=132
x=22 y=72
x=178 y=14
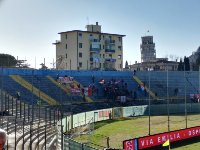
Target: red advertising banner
x=104 y=113
x=159 y=139
x=129 y=145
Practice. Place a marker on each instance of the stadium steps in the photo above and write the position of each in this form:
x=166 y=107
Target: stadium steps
x=34 y=90
x=147 y=89
x=88 y=99
x=50 y=136
x=52 y=90
x=34 y=136
x=67 y=88
x=11 y=126
x=12 y=87
x=64 y=88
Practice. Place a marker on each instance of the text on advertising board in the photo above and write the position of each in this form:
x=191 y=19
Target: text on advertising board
x=159 y=139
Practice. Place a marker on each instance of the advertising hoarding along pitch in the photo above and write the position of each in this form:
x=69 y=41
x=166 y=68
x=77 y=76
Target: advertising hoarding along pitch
x=159 y=139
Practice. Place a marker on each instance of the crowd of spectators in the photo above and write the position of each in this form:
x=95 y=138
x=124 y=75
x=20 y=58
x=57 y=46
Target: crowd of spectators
x=108 y=89
x=113 y=88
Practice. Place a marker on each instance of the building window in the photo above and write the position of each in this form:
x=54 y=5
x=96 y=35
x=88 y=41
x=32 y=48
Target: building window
x=120 y=39
x=80 y=55
x=99 y=65
x=110 y=55
x=66 y=55
x=120 y=48
x=103 y=37
x=66 y=36
x=100 y=55
x=66 y=46
x=80 y=35
x=110 y=37
x=120 y=66
x=80 y=64
x=103 y=55
x=103 y=46
x=91 y=37
x=119 y=56
x=99 y=37
x=80 y=45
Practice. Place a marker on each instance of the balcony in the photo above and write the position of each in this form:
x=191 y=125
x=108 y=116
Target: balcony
x=96 y=50
x=95 y=47
x=109 y=50
x=94 y=40
x=112 y=41
x=95 y=59
x=110 y=60
x=109 y=41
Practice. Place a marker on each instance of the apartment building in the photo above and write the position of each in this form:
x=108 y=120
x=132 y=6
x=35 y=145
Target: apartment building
x=89 y=50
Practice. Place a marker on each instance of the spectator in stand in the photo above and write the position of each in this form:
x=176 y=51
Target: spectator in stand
x=3 y=138
x=18 y=95
x=134 y=95
x=175 y=91
x=84 y=98
x=93 y=78
x=97 y=92
x=102 y=81
x=139 y=88
x=134 y=72
x=145 y=92
x=57 y=77
x=82 y=90
x=122 y=81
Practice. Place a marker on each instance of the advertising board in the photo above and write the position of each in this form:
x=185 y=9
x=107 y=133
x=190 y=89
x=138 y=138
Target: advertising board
x=159 y=139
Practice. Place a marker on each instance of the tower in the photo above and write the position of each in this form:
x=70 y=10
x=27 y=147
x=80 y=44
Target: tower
x=148 y=52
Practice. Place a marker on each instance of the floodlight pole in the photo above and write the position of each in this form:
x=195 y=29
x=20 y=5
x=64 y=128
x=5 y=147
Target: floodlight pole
x=23 y=134
x=15 y=133
x=24 y=110
x=45 y=134
x=168 y=102
x=12 y=105
x=149 y=107
x=7 y=133
x=1 y=88
x=32 y=111
x=185 y=99
x=61 y=130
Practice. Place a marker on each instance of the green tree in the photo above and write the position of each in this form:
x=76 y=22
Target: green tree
x=126 y=65
x=180 y=65
x=7 y=60
x=197 y=64
x=187 y=63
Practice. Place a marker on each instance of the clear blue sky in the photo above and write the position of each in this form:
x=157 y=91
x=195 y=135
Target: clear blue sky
x=29 y=27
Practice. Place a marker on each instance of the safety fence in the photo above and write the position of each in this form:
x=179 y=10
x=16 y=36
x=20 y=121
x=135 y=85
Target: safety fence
x=76 y=120
x=72 y=122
